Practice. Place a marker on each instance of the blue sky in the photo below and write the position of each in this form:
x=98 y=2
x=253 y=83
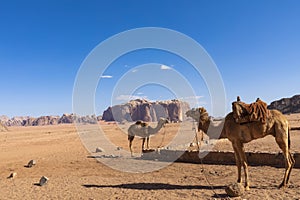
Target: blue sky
x=255 y=45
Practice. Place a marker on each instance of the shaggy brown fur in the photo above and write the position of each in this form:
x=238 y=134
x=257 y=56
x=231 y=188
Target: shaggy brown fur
x=256 y=111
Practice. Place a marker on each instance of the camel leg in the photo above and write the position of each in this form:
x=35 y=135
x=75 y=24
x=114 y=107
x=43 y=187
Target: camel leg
x=130 y=139
x=238 y=164
x=143 y=143
x=147 y=142
x=293 y=163
x=289 y=160
x=243 y=159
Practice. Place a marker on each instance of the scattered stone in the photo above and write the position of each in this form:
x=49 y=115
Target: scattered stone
x=119 y=148
x=31 y=163
x=99 y=149
x=235 y=190
x=12 y=175
x=110 y=156
x=43 y=180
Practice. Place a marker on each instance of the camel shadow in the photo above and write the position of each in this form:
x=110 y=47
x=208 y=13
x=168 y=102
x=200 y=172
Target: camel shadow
x=154 y=186
x=272 y=187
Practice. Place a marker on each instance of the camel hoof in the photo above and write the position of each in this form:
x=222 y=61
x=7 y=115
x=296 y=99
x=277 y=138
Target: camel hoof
x=282 y=185
x=247 y=188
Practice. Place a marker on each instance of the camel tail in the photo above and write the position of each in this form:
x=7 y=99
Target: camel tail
x=289 y=138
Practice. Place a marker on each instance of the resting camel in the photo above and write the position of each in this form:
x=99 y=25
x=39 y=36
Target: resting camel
x=144 y=131
x=276 y=125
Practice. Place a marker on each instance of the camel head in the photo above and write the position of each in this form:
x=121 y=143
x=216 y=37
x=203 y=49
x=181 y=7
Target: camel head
x=204 y=118
x=200 y=115
x=197 y=114
x=163 y=121
x=193 y=113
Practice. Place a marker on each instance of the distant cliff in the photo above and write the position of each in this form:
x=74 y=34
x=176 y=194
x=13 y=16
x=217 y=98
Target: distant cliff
x=287 y=105
x=48 y=120
x=138 y=109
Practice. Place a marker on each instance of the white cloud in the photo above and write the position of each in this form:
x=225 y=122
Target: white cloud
x=165 y=67
x=135 y=70
x=192 y=97
x=125 y=97
x=106 y=76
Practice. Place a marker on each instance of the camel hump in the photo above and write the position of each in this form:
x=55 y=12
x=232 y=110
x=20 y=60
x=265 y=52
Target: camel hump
x=256 y=111
x=141 y=123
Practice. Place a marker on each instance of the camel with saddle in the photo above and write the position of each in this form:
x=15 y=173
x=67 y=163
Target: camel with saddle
x=248 y=122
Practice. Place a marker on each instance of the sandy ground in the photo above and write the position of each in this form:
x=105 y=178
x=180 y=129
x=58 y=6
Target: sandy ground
x=73 y=174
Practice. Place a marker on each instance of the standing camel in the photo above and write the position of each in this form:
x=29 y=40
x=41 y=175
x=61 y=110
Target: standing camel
x=144 y=131
x=204 y=122
x=276 y=124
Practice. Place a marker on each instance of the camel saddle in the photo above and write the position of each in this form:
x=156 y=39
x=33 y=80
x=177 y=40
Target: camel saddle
x=254 y=112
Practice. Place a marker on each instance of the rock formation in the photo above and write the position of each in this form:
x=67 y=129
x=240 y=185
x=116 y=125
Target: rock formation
x=48 y=120
x=147 y=111
x=287 y=105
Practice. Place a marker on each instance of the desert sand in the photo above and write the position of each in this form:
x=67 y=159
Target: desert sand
x=74 y=174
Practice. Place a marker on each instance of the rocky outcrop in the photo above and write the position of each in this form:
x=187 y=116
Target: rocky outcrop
x=48 y=120
x=41 y=121
x=15 y=121
x=147 y=111
x=287 y=105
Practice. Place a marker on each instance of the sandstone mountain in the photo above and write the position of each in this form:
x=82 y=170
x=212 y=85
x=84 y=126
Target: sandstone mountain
x=47 y=120
x=144 y=110
x=287 y=105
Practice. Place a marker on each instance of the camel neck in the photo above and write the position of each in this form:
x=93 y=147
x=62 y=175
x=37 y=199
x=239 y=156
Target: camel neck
x=157 y=128
x=206 y=125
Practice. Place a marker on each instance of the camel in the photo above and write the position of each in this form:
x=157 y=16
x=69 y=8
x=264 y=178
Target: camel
x=238 y=134
x=144 y=131
x=206 y=123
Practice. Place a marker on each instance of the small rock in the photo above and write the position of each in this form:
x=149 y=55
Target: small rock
x=99 y=149
x=235 y=190
x=31 y=163
x=119 y=148
x=43 y=180
x=12 y=175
